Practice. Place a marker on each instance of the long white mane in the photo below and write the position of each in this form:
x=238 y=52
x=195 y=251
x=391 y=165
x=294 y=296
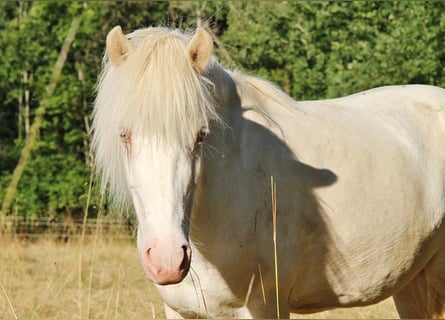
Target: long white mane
x=156 y=93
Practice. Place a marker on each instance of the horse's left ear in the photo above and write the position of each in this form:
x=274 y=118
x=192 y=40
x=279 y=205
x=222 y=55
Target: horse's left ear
x=200 y=49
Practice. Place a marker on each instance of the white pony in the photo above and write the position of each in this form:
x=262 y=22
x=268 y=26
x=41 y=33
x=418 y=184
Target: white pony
x=360 y=184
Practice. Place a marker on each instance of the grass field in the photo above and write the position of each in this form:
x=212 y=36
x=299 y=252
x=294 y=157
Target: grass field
x=97 y=280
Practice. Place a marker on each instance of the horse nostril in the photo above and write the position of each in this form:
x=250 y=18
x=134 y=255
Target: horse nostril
x=147 y=257
x=185 y=264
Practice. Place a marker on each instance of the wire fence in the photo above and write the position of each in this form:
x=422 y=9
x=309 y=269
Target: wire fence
x=64 y=229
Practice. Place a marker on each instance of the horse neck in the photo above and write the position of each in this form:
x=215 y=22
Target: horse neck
x=222 y=142
x=224 y=87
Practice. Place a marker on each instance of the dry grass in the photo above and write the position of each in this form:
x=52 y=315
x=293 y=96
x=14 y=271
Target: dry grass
x=383 y=310
x=99 y=280
x=50 y=280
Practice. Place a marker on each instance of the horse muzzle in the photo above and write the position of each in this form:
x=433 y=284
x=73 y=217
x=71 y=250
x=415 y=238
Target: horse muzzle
x=167 y=267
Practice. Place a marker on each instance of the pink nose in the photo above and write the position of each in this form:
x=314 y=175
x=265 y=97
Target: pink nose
x=167 y=268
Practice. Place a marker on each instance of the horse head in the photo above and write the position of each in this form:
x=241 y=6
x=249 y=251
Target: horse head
x=151 y=117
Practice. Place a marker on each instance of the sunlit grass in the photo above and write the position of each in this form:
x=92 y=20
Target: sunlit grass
x=382 y=310
x=40 y=280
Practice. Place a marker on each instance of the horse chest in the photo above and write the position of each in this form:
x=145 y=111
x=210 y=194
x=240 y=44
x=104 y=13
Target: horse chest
x=204 y=293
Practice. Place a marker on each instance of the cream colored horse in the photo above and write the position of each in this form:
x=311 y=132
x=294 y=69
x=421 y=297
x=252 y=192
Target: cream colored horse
x=360 y=184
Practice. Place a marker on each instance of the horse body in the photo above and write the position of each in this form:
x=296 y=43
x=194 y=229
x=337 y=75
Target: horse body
x=360 y=198
x=339 y=246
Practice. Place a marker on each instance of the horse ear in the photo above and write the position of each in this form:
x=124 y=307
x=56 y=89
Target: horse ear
x=200 y=49
x=118 y=46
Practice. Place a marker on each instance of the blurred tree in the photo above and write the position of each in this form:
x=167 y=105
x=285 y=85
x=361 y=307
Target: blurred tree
x=56 y=179
x=331 y=48
x=312 y=49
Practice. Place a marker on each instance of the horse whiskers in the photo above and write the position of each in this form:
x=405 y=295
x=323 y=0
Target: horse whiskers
x=147 y=272
x=212 y=151
x=192 y=226
x=199 y=245
x=194 y=284
x=200 y=289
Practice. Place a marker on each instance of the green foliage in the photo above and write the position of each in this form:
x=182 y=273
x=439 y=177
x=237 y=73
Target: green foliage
x=312 y=49
x=56 y=179
x=329 y=49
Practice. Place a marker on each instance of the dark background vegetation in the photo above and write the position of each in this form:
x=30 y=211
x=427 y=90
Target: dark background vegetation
x=312 y=49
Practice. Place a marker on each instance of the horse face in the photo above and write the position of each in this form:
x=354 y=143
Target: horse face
x=161 y=183
x=171 y=96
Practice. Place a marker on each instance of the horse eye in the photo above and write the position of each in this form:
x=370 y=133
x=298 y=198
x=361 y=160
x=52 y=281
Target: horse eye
x=125 y=136
x=201 y=135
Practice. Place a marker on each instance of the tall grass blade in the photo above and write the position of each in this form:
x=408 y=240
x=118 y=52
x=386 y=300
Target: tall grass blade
x=274 y=224
x=93 y=254
x=262 y=284
x=9 y=301
x=81 y=242
x=249 y=289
